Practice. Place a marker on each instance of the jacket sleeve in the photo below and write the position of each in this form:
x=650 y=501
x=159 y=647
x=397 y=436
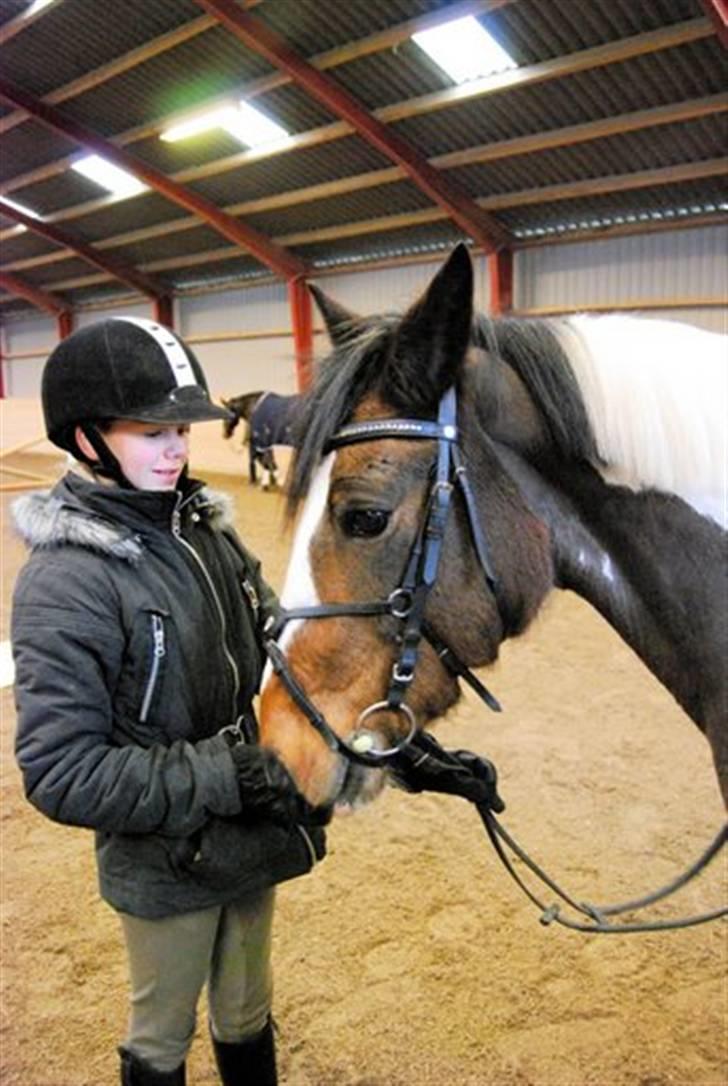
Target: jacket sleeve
x=68 y=650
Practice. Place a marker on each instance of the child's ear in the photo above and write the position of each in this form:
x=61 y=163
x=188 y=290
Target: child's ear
x=84 y=444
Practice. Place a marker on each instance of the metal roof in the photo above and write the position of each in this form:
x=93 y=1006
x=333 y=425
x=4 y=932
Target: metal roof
x=614 y=120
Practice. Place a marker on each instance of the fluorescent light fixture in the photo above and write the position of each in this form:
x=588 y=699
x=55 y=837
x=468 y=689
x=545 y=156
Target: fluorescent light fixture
x=243 y=122
x=110 y=177
x=464 y=49
x=37 y=6
x=253 y=128
x=213 y=118
x=20 y=207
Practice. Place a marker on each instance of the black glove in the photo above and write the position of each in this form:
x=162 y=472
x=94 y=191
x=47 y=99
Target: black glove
x=267 y=789
x=425 y=766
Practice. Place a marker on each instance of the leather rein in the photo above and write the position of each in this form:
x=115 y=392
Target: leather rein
x=406 y=603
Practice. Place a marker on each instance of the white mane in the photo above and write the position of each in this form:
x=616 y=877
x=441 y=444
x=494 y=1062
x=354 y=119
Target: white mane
x=656 y=393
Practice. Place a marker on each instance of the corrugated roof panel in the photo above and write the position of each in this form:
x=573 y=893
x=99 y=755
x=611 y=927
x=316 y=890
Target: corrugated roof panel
x=309 y=166
x=76 y=36
x=540 y=31
x=311 y=30
x=32 y=145
x=626 y=153
x=661 y=203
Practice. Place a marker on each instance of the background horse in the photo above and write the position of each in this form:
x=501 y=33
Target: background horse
x=595 y=449
x=269 y=419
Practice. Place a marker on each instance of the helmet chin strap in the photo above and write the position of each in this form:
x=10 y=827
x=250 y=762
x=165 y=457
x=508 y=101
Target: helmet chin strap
x=106 y=466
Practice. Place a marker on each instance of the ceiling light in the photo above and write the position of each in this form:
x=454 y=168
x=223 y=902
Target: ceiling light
x=213 y=118
x=245 y=123
x=37 y=6
x=253 y=128
x=110 y=177
x=464 y=50
x=19 y=207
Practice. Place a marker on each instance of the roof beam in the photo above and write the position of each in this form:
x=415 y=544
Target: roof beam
x=267 y=252
x=116 y=268
x=538 y=141
x=21 y=21
x=546 y=194
x=50 y=303
x=485 y=230
x=374 y=43
x=530 y=75
x=717 y=12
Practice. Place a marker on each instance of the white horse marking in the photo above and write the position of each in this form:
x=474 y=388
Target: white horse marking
x=299 y=589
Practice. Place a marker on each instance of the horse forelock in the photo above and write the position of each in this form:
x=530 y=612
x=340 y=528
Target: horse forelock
x=352 y=370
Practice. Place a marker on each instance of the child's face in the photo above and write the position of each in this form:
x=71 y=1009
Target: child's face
x=151 y=455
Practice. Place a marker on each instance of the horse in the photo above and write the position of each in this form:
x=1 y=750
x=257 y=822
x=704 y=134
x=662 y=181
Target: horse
x=453 y=469
x=269 y=419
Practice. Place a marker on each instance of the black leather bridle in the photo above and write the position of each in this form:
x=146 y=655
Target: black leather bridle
x=406 y=603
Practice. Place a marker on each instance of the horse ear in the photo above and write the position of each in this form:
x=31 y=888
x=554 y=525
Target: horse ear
x=340 y=323
x=431 y=341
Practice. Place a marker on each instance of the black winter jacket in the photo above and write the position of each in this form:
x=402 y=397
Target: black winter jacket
x=136 y=637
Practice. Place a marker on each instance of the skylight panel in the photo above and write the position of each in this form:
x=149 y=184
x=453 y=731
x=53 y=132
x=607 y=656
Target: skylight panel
x=20 y=207
x=37 y=6
x=108 y=176
x=244 y=122
x=464 y=49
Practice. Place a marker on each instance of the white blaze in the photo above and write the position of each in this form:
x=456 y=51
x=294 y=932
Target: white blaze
x=299 y=589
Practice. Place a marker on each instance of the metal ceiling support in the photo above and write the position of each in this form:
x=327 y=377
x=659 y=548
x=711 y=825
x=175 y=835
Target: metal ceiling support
x=64 y=323
x=500 y=270
x=717 y=12
x=42 y=299
x=299 y=298
x=279 y=260
x=485 y=230
x=164 y=310
x=133 y=278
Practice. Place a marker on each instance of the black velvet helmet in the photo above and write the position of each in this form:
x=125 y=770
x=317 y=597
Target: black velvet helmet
x=123 y=368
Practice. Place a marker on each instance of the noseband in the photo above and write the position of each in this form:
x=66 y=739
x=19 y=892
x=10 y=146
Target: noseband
x=406 y=603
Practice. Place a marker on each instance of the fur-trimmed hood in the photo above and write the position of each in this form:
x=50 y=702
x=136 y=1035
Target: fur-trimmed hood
x=82 y=514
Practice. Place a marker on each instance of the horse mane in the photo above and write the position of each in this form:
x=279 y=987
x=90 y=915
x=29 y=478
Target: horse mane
x=532 y=349
x=644 y=401
x=529 y=346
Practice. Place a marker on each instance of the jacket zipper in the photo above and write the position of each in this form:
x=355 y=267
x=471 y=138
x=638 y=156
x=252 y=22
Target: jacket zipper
x=158 y=654
x=177 y=533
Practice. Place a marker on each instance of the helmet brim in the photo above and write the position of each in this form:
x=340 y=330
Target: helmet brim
x=167 y=414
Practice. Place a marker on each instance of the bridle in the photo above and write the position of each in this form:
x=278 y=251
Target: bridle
x=406 y=603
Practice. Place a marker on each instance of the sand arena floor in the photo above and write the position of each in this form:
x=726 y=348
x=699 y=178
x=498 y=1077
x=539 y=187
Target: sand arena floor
x=409 y=958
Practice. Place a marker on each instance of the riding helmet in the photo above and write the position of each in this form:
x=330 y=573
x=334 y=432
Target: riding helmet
x=123 y=368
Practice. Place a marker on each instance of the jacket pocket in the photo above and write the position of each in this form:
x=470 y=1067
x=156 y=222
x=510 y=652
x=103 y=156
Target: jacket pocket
x=156 y=662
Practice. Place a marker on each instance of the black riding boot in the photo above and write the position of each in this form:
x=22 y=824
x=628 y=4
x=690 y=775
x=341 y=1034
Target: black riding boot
x=137 y=1072
x=249 y=1063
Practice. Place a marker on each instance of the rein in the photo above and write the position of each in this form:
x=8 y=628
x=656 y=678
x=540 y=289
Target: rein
x=406 y=603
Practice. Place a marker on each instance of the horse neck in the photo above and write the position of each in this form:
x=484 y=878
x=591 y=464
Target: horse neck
x=650 y=565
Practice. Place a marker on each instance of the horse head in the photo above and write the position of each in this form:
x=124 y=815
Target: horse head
x=360 y=521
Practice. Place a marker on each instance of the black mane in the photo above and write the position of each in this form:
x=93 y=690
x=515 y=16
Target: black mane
x=355 y=368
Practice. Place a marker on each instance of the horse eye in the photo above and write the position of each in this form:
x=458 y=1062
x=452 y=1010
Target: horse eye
x=364 y=522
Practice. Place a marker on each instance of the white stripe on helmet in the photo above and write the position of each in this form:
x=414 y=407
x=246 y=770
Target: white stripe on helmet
x=178 y=361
